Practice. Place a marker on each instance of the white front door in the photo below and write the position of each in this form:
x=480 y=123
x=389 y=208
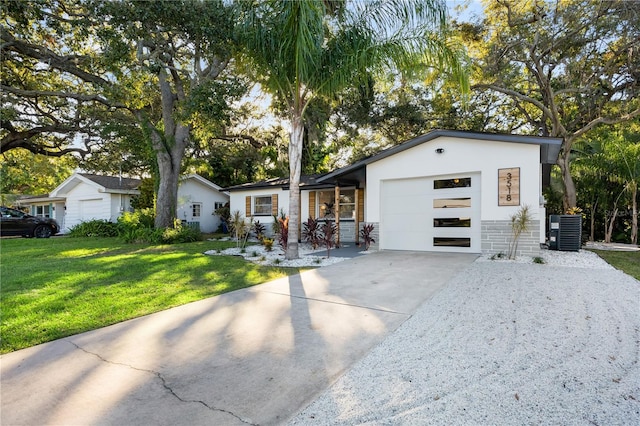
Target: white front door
x=435 y=213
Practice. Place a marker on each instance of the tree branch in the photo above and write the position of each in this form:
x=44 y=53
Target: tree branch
x=76 y=96
x=546 y=111
x=606 y=120
x=64 y=63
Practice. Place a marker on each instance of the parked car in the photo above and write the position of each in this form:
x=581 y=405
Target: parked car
x=15 y=222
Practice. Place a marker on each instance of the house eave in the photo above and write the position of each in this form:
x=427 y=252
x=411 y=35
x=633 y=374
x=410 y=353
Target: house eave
x=549 y=148
x=36 y=200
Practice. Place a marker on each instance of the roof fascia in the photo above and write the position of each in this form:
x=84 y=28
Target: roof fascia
x=549 y=147
x=67 y=182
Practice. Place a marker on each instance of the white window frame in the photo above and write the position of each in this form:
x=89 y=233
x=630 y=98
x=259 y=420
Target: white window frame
x=262 y=208
x=43 y=211
x=352 y=211
x=196 y=210
x=321 y=213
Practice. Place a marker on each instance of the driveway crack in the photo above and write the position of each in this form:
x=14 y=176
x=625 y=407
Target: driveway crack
x=165 y=385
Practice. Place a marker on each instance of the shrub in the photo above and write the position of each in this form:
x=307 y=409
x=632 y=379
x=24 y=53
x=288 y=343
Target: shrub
x=311 y=232
x=178 y=234
x=328 y=236
x=140 y=235
x=224 y=213
x=143 y=218
x=94 y=228
x=497 y=256
x=283 y=236
x=365 y=233
x=268 y=243
x=259 y=230
x=275 y=226
x=137 y=227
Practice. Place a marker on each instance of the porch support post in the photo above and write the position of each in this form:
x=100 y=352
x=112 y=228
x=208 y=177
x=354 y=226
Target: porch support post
x=357 y=216
x=337 y=214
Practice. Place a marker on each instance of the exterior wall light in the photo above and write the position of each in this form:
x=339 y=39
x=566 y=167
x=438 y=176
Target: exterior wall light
x=439 y=150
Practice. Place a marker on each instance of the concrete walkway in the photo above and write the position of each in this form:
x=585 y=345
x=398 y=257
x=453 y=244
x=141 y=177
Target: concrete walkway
x=253 y=356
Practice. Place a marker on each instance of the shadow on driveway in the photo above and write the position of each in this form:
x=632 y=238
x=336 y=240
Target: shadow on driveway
x=253 y=356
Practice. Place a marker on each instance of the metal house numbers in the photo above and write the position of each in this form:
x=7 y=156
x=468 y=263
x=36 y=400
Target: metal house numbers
x=509 y=187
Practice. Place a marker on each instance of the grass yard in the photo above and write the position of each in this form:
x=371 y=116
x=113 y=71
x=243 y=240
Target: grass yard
x=57 y=287
x=627 y=261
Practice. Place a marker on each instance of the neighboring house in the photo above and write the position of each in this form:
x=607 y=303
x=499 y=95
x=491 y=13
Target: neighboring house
x=198 y=199
x=443 y=191
x=83 y=197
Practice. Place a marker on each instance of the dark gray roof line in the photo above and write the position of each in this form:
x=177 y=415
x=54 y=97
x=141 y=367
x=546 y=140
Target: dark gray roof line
x=550 y=147
x=113 y=182
x=306 y=181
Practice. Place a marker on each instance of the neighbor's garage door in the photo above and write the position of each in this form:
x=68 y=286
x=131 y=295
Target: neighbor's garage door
x=90 y=209
x=431 y=214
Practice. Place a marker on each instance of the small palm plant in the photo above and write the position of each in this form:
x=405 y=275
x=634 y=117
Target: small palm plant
x=239 y=228
x=519 y=223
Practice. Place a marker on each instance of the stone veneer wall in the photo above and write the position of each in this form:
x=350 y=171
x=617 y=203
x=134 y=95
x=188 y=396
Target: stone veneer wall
x=496 y=235
x=347 y=231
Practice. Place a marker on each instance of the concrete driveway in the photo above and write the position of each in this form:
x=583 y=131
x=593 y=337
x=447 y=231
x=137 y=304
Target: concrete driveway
x=253 y=356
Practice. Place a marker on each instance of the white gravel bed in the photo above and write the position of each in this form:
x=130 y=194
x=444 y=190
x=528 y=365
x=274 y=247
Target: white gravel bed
x=258 y=254
x=574 y=259
x=504 y=343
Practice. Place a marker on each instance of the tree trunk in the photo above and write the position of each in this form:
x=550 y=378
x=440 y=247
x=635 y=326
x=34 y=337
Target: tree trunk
x=609 y=230
x=592 y=234
x=169 y=148
x=295 y=162
x=634 y=213
x=569 y=198
x=169 y=157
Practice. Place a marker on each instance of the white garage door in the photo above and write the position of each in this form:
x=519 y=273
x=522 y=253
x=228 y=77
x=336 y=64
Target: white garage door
x=90 y=209
x=431 y=214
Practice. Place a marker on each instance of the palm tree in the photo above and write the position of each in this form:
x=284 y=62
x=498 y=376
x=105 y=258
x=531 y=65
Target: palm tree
x=307 y=48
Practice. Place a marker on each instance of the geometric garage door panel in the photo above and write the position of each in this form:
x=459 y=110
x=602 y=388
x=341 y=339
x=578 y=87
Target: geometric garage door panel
x=434 y=213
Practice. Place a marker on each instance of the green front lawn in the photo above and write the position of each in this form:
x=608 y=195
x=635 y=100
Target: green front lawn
x=626 y=261
x=57 y=287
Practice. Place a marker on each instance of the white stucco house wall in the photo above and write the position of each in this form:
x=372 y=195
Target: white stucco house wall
x=443 y=191
x=198 y=199
x=83 y=197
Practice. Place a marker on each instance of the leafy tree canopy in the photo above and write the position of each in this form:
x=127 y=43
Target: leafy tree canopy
x=566 y=66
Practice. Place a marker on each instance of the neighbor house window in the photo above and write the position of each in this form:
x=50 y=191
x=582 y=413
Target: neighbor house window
x=196 y=209
x=218 y=205
x=262 y=206
x=43 y=211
